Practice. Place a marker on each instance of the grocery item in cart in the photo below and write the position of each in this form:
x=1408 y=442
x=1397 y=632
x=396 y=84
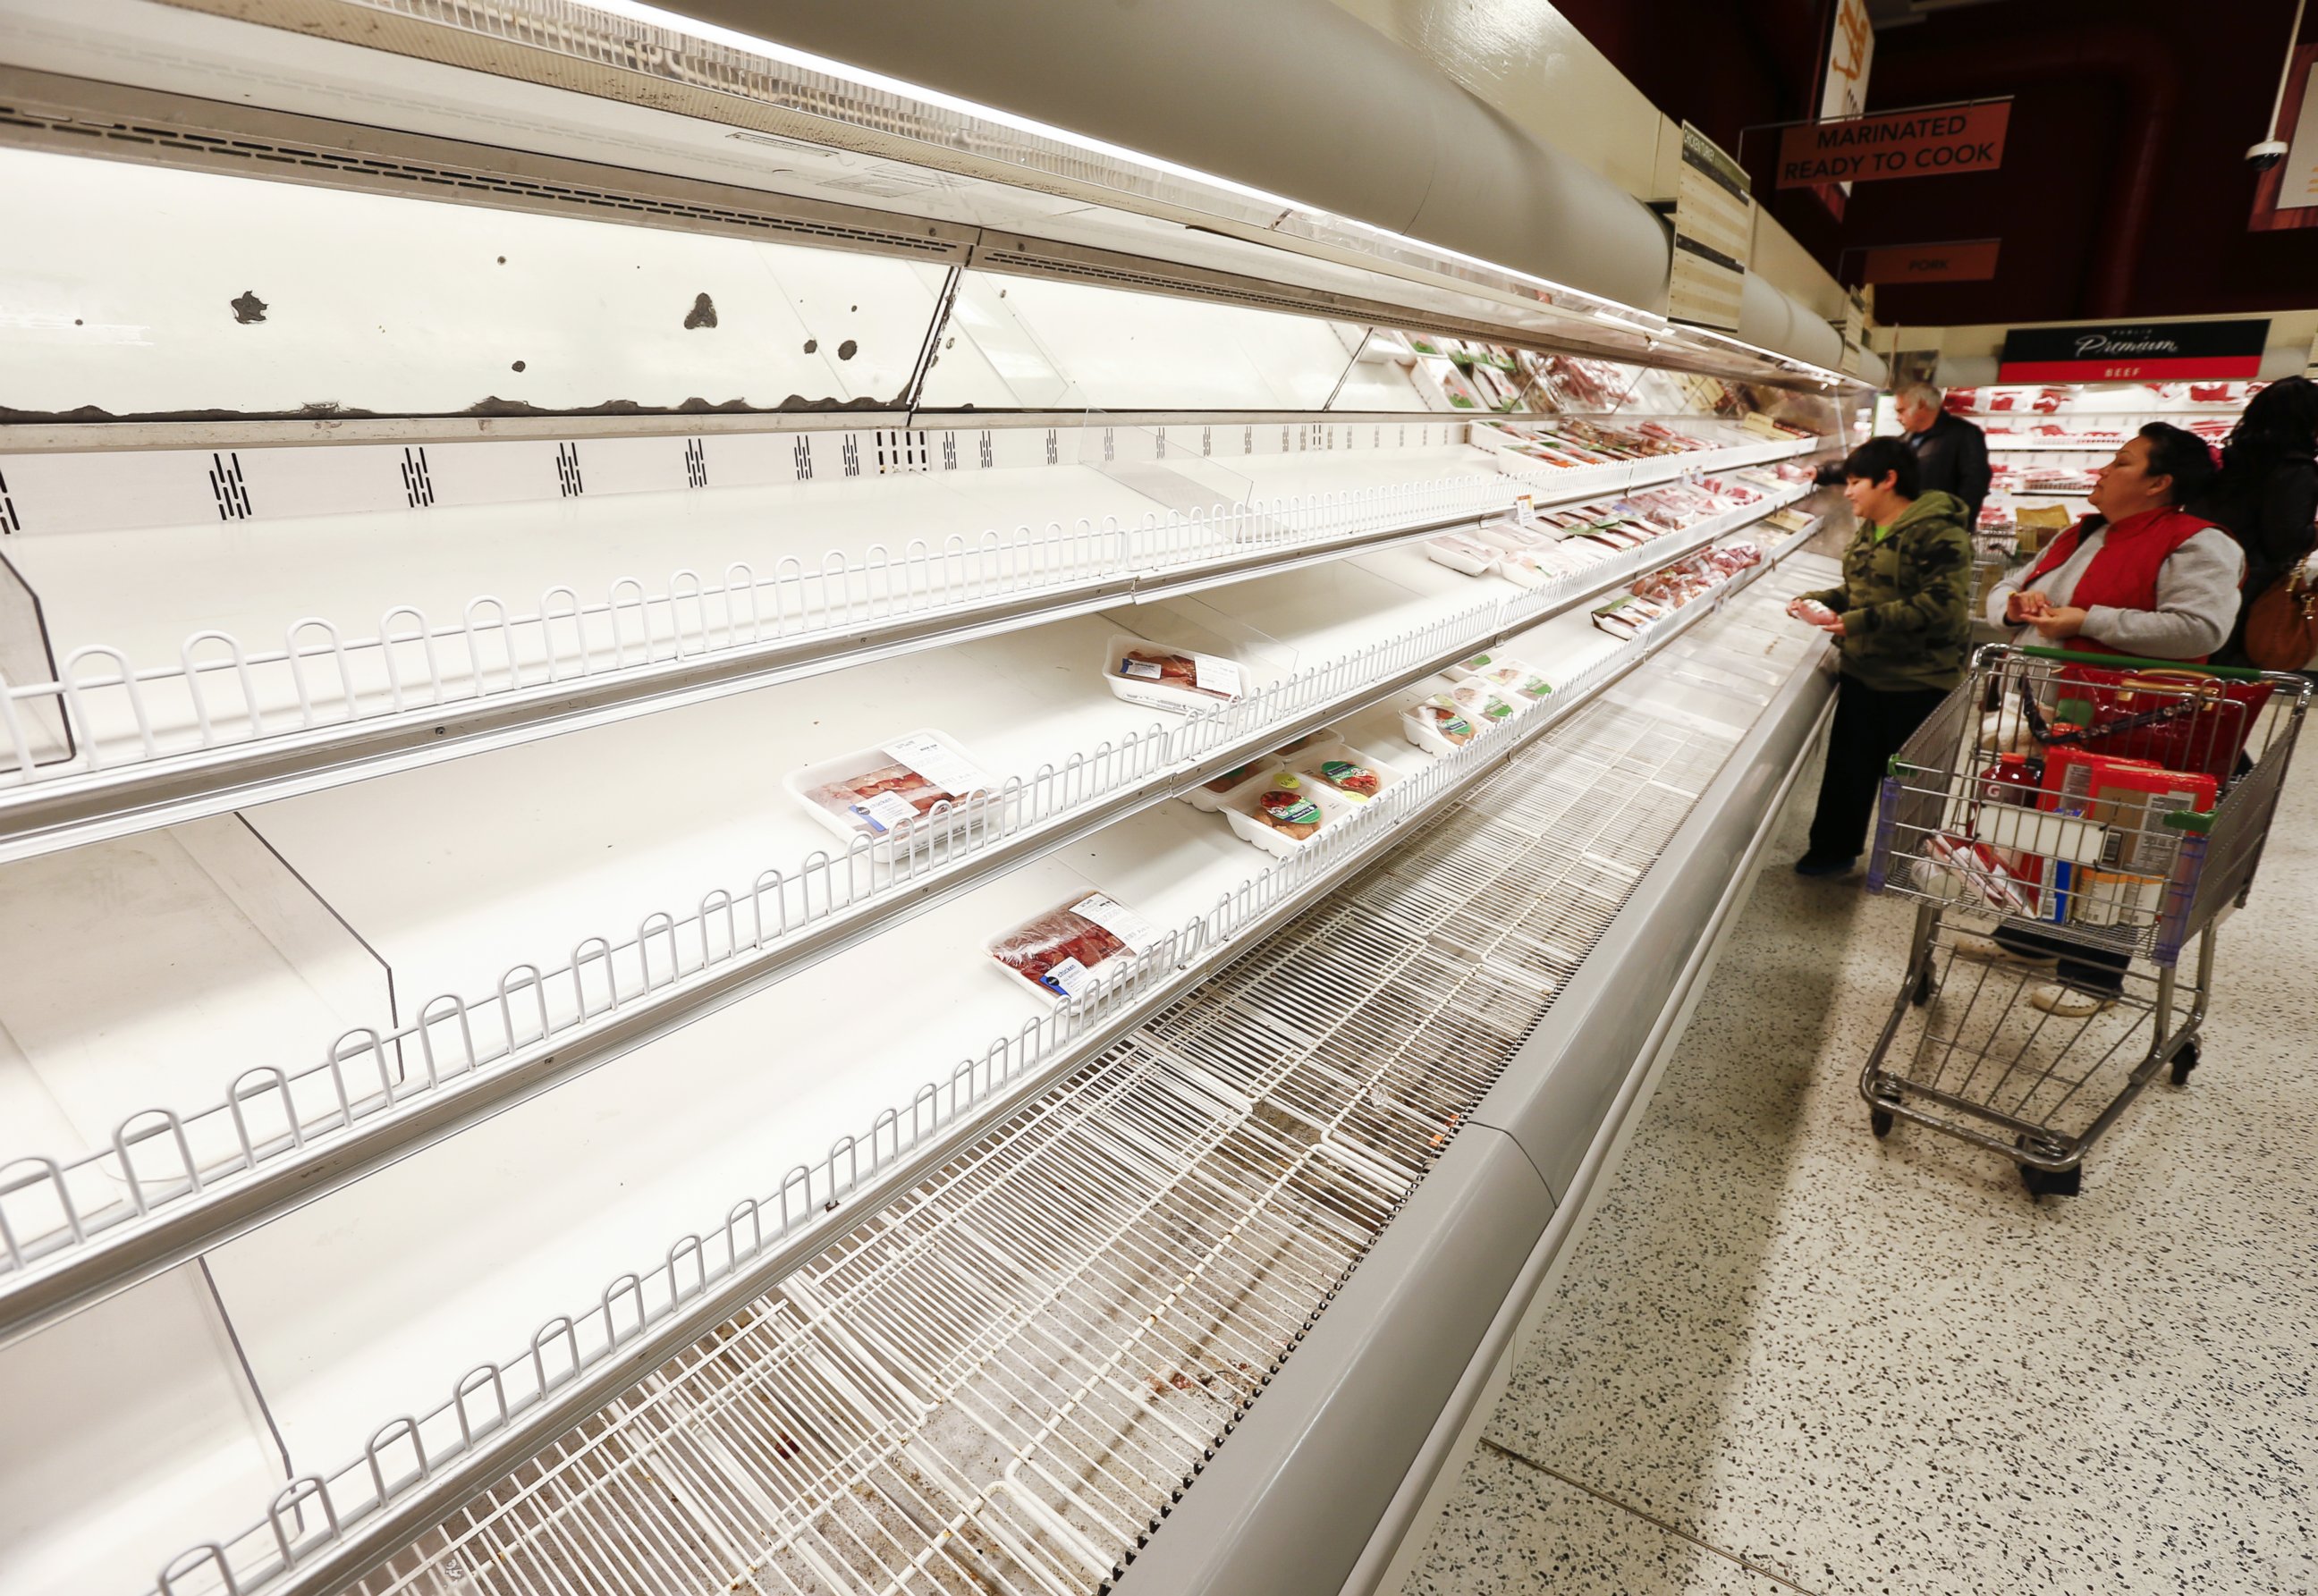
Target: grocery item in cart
x=1066 y=950
x=1166 y=677
x=2177 y=720
x=1977 y=868
x=871 y=792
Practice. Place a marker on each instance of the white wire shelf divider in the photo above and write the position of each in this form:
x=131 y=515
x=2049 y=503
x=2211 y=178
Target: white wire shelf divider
x=168 y=1185
x=229 y=723
x=320 y=1533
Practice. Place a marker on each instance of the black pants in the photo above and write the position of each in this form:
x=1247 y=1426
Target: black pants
x=2092 y=969
x=1870 y=725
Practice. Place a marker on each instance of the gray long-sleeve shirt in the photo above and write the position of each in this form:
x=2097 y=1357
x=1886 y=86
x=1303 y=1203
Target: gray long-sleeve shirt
x=2197 y=600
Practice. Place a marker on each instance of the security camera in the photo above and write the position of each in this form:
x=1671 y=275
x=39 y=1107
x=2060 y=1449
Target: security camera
x=2267 y=153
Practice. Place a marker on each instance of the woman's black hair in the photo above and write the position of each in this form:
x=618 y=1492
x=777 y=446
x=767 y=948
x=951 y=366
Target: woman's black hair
x=1873 y=459
x=2181 y=455
x=2279 y=422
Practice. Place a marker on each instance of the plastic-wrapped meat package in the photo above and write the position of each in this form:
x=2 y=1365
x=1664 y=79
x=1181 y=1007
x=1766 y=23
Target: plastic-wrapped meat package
x=1622 y=621
x=873 y=803
x=1175 y=670
x=1477 y=701
x=1461 y=553
x=1064 y=949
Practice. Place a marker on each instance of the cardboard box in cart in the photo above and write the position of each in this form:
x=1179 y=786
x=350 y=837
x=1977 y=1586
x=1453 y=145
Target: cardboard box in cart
x=2128 y=800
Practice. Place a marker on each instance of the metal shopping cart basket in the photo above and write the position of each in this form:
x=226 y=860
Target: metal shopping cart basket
x=2098 y=815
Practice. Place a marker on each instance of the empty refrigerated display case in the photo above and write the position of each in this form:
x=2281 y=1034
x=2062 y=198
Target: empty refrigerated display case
x=767 y=831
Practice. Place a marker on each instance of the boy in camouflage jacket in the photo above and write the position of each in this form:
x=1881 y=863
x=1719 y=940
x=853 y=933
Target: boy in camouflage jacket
x=1902 y=620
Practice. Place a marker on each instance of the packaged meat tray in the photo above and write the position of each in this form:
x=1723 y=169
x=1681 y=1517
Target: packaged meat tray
x=1520 y=684
x=1461 y=553
x=1509 y=537
x=1166 y=678
x=1282 y=813
x=1065 y=951
x=1211 y=795
x=1479 y=702
x=1345 y=770
x=1437 y=726
x=870 y=793
x=1624 y=620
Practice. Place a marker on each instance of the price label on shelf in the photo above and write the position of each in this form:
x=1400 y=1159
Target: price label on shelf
x=1072 y=976
x=885 y=811
x=1118 y=919
x=1526 y=509
x=1216 y=675
x=946 y=769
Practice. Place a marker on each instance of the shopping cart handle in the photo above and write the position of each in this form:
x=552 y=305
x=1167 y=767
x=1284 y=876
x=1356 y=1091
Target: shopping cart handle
x=2231 y=673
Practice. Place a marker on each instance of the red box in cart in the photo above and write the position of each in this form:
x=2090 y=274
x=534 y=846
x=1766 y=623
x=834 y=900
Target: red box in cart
x=2131 y=799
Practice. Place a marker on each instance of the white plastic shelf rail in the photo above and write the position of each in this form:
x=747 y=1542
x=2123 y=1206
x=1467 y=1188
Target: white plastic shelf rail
x=172 y=1183
x=112 y=745
x=998 y=1380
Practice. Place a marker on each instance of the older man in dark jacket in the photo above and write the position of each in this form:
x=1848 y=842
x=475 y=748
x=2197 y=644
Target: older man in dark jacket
x=1951 y=453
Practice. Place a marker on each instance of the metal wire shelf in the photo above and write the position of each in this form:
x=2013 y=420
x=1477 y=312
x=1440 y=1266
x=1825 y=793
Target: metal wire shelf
x=170 y=1181
x=1000 y=1380
x=107 y=725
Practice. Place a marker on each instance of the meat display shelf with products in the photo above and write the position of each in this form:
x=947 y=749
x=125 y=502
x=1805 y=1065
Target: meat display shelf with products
x=418 y=805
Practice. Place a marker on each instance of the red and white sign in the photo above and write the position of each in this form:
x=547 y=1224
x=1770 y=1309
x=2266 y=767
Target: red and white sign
x=1931 y=143
x=2138 y=352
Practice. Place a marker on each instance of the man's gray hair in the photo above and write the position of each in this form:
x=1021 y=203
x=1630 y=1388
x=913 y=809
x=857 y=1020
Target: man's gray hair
x=1920 y=396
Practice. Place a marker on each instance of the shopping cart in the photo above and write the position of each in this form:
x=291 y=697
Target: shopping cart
x=2102 y=810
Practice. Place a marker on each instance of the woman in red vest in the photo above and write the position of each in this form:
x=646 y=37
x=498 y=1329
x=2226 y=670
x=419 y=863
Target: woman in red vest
x=2140 y=576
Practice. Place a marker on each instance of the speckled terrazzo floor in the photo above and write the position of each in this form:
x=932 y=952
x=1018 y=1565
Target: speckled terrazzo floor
x=1788 y=1357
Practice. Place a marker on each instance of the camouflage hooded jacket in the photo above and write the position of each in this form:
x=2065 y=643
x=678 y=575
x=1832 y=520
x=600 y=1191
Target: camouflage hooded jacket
x=1905 y=598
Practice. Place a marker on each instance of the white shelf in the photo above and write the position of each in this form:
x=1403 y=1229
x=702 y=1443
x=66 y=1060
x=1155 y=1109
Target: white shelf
x=459 y=1248
x=1063 y=539
x=447 y=880
x=457 y=872
x=464 y=1244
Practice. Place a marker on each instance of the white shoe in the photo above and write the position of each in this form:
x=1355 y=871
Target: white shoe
x=1987 y=950
x=2069 y=1003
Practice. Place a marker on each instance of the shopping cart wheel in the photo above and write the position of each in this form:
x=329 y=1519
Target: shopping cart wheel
x=1879 y=1120
x=2184 y=1061
x=1920 y=992
x=2050 y=1183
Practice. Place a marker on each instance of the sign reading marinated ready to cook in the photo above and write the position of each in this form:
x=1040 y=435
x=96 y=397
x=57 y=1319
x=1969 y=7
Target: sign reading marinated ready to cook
x=2134 y=352
x=1929 y=143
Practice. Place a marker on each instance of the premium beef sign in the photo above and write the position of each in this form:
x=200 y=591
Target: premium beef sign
x=2134 y=352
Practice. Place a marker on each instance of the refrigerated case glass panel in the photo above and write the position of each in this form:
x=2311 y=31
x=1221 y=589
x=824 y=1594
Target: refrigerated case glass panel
x=1073 y=344
x=130 y=290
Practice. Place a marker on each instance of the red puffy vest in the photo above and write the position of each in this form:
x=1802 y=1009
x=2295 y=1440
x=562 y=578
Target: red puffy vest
x=2123 y=575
